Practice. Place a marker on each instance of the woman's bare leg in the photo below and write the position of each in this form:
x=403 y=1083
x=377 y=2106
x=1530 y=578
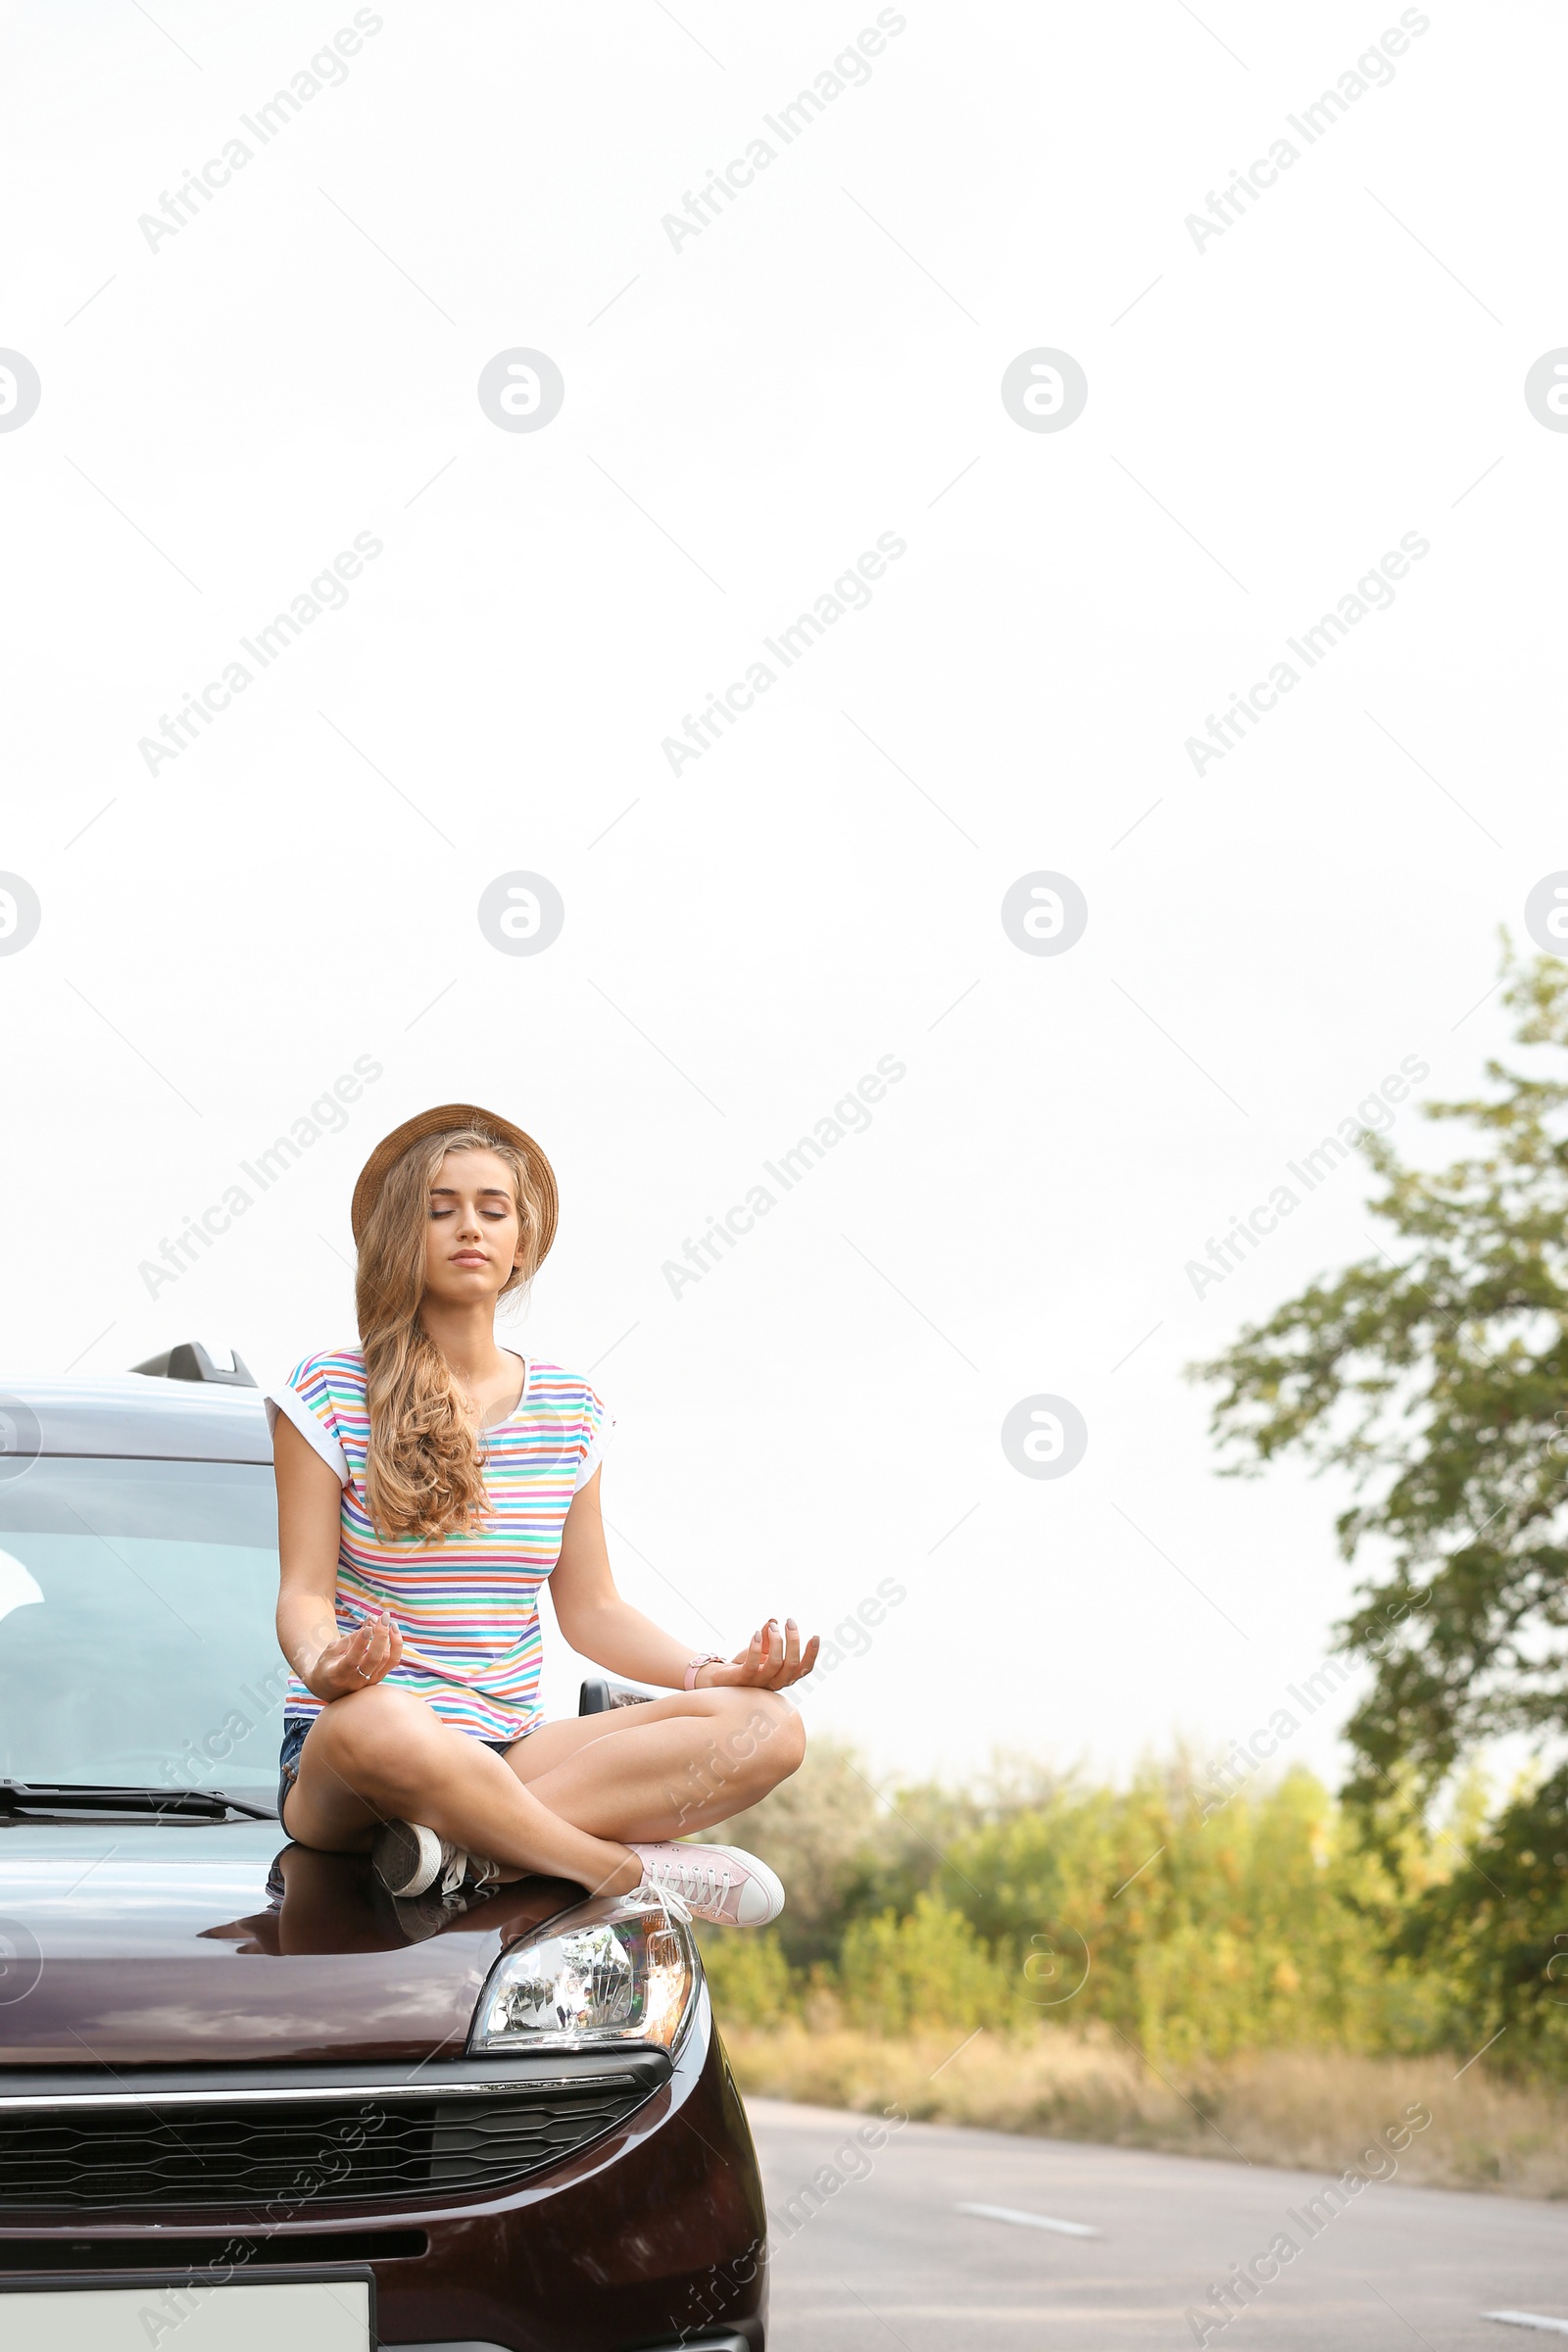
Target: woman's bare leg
x=667 y=1768
x=562 y=1801
x=383 y=1754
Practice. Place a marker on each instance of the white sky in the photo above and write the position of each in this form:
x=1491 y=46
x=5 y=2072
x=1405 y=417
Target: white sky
x=741 y=417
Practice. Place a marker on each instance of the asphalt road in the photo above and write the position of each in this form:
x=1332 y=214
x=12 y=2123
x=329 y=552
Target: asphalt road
x=888 y=2259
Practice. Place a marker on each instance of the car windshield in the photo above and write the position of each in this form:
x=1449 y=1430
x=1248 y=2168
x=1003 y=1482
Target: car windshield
x=136 y=1638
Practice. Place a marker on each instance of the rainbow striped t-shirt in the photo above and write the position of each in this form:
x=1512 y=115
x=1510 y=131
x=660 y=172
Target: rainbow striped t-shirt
x=469 y=1602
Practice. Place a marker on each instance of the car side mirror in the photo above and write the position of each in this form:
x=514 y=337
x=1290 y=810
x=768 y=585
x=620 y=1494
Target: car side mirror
x=599 y=1695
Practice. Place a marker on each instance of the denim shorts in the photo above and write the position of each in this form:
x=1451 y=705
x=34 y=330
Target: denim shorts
x=295 y=1728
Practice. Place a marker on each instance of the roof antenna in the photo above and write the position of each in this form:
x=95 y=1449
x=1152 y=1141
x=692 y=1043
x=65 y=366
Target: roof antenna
x=190 y=1360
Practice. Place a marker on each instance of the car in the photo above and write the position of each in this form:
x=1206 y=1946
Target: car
x=247 y=2098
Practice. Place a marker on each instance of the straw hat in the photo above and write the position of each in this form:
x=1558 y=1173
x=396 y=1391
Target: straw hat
x=443 y=1120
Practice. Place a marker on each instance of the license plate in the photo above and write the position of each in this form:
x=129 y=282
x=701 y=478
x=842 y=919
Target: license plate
x=188 y=2312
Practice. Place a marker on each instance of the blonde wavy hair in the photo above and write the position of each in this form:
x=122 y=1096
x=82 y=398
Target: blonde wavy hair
x=425 y=1469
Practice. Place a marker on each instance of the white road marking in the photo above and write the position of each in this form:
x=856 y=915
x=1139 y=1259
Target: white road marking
x=1041 y=2220
x=1527 y=2319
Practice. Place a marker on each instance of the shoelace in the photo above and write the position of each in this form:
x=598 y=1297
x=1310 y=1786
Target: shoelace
x=460 y=1865
x=694 y=1885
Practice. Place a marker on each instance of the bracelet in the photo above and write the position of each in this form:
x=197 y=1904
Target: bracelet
x=709 y=1658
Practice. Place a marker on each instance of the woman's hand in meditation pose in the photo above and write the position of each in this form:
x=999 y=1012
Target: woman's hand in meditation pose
x=356 y=1660
x=771 y=1662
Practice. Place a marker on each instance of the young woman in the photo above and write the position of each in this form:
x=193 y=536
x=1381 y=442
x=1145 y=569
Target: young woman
x=427 y=1484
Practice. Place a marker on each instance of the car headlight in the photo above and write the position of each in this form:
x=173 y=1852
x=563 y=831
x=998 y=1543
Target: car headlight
x=620 y=1969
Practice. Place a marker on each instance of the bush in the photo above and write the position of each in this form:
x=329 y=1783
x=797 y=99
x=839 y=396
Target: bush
x=748 y=1975
x=906 y=1975
x=1192 y=1926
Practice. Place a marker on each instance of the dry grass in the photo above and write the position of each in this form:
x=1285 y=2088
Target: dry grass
x=1316 y=2110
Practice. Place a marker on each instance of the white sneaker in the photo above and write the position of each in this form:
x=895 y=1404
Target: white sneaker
x=410 y=1859
x=720 y=1883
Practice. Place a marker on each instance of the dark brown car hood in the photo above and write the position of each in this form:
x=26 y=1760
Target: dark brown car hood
x=219 y=1943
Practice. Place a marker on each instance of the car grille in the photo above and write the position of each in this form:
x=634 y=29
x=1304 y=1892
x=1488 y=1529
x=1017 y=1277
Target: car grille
x=295 y=2157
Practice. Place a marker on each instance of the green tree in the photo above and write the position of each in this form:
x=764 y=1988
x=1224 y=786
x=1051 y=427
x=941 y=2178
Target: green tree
x=1435 y=1374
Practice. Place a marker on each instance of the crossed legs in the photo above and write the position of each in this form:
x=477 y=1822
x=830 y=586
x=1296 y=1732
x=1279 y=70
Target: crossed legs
x=564 y=1800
